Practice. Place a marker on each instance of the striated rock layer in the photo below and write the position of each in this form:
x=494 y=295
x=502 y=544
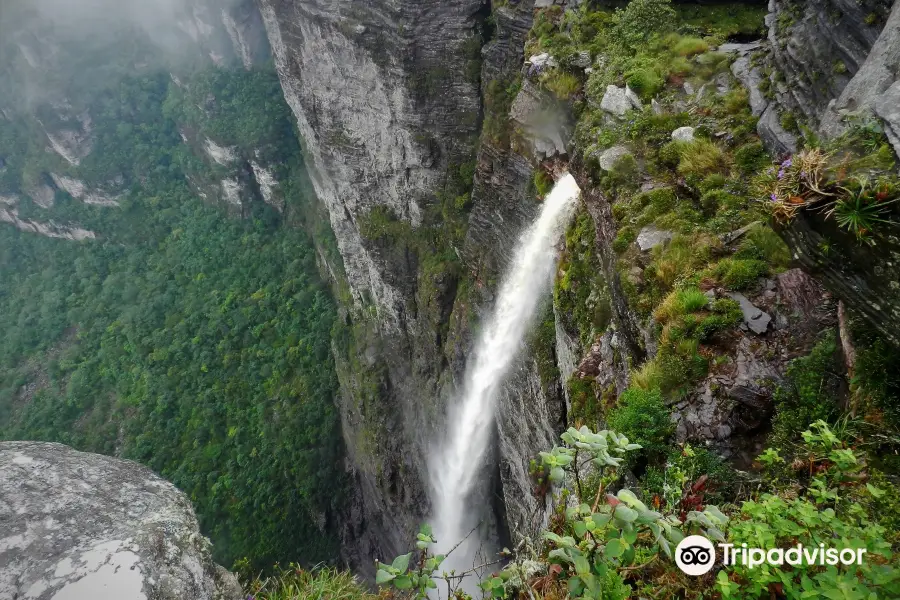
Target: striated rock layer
x=77 y=525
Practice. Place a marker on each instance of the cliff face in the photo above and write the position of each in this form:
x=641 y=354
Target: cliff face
x=834 y=66
x=59 y=130
x=388 y=99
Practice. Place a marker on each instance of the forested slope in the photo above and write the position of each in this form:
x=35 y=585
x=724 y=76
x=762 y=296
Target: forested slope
x=194 y=343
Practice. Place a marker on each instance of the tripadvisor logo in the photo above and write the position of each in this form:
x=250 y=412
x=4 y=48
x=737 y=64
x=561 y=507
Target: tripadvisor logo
x=695 y=555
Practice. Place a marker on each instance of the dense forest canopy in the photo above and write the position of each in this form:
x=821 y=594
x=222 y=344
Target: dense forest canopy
x=194 y=343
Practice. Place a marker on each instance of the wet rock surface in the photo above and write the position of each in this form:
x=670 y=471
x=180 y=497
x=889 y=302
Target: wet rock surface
x=75 y=525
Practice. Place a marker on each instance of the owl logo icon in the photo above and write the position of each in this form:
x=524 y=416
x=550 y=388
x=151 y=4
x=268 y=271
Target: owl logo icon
x=695 y=555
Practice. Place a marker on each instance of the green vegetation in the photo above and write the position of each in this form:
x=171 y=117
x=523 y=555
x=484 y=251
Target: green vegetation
x=295 y=583
x=643 y=418
x=606 y=546
x=197 y=345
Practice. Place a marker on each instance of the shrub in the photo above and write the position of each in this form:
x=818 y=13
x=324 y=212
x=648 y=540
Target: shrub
x=684 y=466
x=661 y=199
x=294 y=583
x=680 y=365
x=643 y=18
x=764 y=244
x=643 y=417
x=680 y=66
x=670 y=153
x=727 y=313
x=751 y=157
x=713 y=182
x=713 y=199
x=736 y=100
x=808 y=393
x=645 y=82
x=738 y=273
x=700 y=157
x=624 y=239
x=690 y=46
x=543 y=182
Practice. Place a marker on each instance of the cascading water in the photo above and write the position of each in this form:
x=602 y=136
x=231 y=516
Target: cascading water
x=456 y=466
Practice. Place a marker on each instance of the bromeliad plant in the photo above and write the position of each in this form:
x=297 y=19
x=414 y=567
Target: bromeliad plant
x=813 y=179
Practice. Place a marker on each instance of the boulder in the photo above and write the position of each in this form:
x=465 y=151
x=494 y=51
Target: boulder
x=75 y=526
x=650 y=237
x=755 y=319
x=683 y=134
x=615 y=101
x=581 y=60
x=611 y=156
x=633 y=98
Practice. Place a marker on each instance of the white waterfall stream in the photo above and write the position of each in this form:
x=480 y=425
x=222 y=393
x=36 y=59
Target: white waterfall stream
x=456 y=467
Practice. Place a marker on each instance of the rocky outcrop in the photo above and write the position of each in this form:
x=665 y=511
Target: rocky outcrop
x=47 y=229
x=867 y=91
x=76 y=525
x=733 y=405
x=817 y=47
x=863 y=276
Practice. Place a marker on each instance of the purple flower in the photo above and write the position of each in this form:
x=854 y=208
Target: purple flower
x=802 y=174
x=773 y=197
x=781 y=174
x=770 y=171
x=787 y=163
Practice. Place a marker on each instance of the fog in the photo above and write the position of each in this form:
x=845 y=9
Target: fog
x=57 y=51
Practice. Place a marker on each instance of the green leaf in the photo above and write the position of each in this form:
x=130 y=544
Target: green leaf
x=576 y=586
x=614 y=548
x=557 y=474
x=630 y=536
x=582 y=565
x=382 y=577
x=628 y=497
x=876 y=493
x=403 y=583
x=580 y=528
x=401 y=563
x=626 y=514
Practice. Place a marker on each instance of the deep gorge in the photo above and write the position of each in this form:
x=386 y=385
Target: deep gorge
x=255 y=249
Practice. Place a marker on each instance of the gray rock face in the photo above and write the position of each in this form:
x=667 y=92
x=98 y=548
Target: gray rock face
x=541 y=122
x=878 y=73
x=818 y=47
x=650 y=237
x=387 y=111
x=887 y=106
x=75 y=526
x=775 y=137
x=731 y=406
x=755 y=320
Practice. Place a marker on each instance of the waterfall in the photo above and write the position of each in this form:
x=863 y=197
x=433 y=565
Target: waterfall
x=456 y=467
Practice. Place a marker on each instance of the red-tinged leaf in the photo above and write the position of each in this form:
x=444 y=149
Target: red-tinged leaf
x=700 y=483
x=612 y=500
